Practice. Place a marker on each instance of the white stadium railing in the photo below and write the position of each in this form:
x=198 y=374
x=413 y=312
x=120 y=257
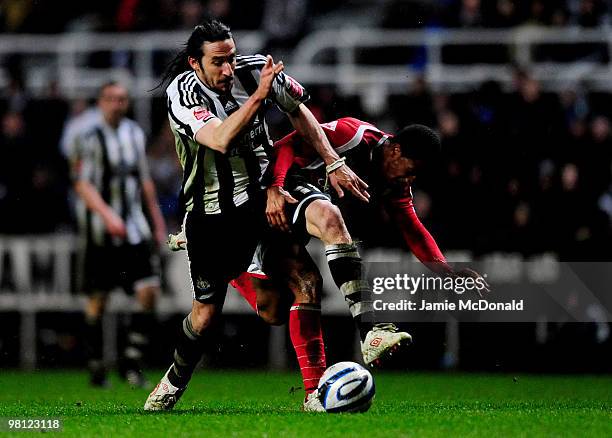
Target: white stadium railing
x=63 y=58
x=25 y=290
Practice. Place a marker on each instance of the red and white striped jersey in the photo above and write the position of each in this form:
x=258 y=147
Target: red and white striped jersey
x=344 y=135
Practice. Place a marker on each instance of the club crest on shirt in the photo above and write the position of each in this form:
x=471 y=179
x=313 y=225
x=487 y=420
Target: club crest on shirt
x=202 y=285
x=200 y=113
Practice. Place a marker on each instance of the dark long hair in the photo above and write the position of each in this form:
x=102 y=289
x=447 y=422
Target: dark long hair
x=209 y=31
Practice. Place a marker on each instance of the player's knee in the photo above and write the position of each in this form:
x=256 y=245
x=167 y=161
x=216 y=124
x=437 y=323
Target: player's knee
x=96 y=304
x=272 y=316
x=272 y=310
x=331 y=224
x=147 y=296
x=202 y=316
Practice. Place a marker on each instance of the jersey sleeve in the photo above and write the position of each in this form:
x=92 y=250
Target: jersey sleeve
x=83 y=157
x=187 y=111
x=416 y=236
x=284 y=155
x=287 y=93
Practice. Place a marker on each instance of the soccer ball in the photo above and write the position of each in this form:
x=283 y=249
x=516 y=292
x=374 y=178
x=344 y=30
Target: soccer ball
x=346 y=387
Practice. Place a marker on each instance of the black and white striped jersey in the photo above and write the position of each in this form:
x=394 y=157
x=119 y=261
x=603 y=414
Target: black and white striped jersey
x=214 y=182
x=114 y=162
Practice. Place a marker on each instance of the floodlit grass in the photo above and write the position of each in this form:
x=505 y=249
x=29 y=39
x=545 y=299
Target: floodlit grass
x=240 y=403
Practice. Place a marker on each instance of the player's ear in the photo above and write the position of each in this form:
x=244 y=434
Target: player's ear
x=194 y=63
x=396 y=150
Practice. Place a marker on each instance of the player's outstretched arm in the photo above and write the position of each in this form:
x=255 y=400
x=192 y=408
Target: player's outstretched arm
x=218 y=135
x=419 y=240
x=307 y=126
x=422 y=244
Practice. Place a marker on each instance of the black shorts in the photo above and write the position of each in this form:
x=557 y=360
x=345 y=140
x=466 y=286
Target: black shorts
x=305 y=193
x=221 y=246
x=128 y=266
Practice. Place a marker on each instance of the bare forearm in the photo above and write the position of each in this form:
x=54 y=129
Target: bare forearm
x=150 y=196
x=218 y=135
x=309 y=129
x=92 y=198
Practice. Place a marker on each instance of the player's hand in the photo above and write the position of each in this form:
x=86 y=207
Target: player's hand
x=345 y=177
x=268 y=73
x=114 y=224
x=470 y=273
x=275 y=207
x=160 y=236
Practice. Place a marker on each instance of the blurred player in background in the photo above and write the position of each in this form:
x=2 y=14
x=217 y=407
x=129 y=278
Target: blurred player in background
x=216 y=104
x=116 y=194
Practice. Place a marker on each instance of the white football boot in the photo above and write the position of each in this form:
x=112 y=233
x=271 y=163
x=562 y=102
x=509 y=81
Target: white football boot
x=178 y=241
x=381 y=342
x=312 y=403
x=164 y=396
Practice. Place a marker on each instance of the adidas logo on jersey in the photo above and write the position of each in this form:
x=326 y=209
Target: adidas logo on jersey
x=230 y=106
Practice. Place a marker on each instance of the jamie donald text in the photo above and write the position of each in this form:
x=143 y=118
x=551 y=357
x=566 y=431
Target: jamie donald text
x=446 y=306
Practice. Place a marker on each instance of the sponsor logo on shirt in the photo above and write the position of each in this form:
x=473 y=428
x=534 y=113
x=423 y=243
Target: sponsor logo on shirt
x=200 y=113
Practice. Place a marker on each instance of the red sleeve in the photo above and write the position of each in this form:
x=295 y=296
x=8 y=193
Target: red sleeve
x=416 y=236
x=283 y=159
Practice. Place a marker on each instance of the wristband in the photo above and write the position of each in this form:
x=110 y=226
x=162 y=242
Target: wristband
x=335 y=165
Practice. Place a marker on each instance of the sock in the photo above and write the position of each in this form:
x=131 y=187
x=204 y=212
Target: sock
x=188 y=352
x=346 y=269
x=307 y=340
x=94 y=343
x=138 y=332
x=245 y=288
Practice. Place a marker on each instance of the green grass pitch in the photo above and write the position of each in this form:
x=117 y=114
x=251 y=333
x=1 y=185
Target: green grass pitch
x=258 y=404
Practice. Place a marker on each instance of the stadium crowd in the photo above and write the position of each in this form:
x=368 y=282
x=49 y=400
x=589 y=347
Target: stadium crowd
x=525 y=170
x=28 y=16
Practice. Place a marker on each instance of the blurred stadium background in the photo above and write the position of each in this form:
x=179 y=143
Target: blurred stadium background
x=519 y=90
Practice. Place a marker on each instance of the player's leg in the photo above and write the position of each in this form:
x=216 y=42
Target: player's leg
x=196 y=331
x=219 y=248
x=316 y=216
x=142 y=277
x=271 y=301
x=293 y=291
x=324 y=221
x=190 y=344
x=94 y=342
x=140 y=332
x=209 y=287
x=291 y=262
x=97 y=278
